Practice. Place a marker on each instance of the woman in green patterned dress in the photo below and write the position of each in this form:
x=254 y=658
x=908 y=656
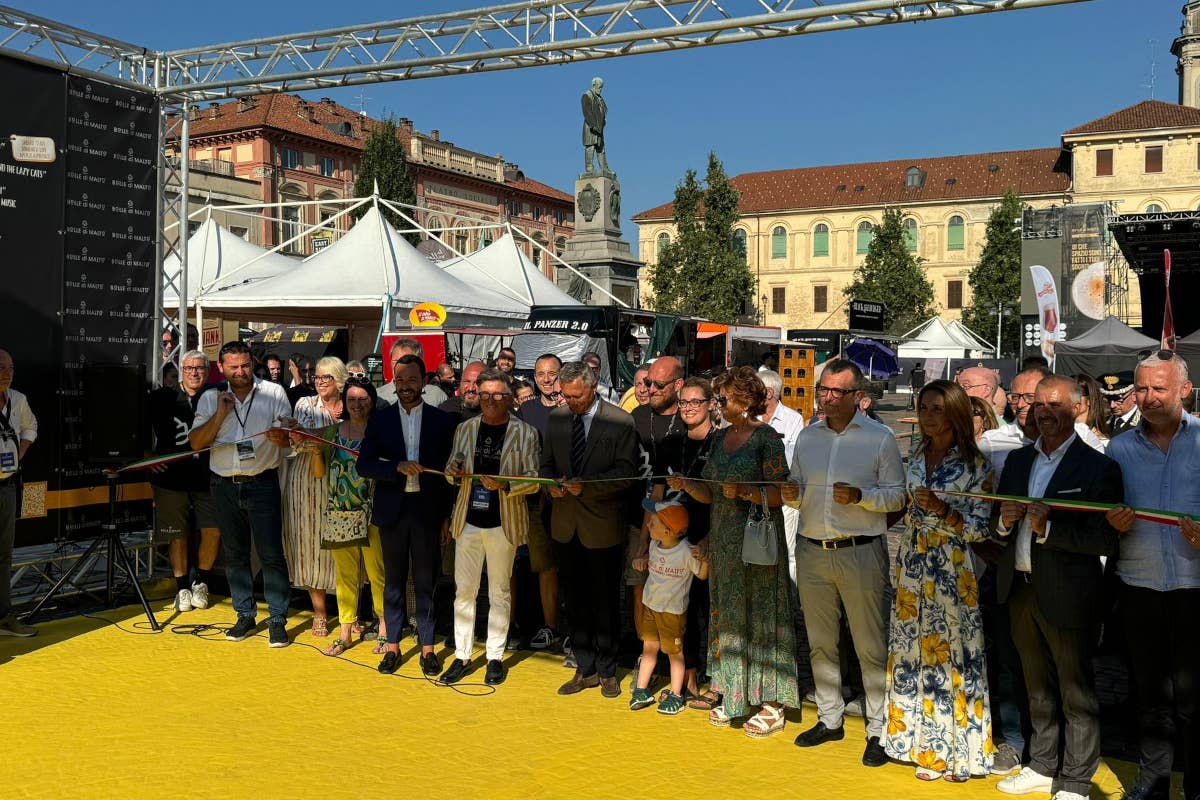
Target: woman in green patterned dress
x=751 y=639
x=351 y=541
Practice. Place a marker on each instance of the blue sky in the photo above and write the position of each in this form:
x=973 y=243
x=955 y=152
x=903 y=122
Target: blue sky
x=990 y=82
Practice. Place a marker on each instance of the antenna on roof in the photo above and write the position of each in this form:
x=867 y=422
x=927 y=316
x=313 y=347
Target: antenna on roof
x=1153 y=68
x=362 y=102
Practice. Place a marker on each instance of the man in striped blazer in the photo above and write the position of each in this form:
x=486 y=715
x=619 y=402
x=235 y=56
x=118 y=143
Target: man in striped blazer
x=490 y=519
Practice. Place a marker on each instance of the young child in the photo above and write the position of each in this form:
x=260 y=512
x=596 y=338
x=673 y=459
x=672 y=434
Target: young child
x=671 y=562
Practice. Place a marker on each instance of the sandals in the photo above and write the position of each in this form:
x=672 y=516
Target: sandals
x=924 y=774
x=337 y=648
x=718 y=718
x=380 y=646
x=320 y=627
x=705 y=702
x=767 y=722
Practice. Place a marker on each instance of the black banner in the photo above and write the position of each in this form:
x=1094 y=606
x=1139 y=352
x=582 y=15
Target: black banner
x=77 y=292
x=866 y=315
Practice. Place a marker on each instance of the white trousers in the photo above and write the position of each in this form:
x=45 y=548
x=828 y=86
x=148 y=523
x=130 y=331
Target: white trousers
x=471 y=549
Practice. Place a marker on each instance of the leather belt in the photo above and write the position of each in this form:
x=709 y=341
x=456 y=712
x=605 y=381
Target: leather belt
x=838 y=544
x=261 y=476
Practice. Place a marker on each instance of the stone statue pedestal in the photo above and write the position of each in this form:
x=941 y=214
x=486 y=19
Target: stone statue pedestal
x=597 y=249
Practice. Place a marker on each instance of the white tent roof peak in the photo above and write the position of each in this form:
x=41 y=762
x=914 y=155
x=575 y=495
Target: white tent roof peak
x=503 y=267
x=219 y=259
x=935 y=334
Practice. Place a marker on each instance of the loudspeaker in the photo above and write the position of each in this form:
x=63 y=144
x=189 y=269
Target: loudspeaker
x=114 y=412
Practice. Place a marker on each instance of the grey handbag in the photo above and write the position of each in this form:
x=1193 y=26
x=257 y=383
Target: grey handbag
x=760 y=545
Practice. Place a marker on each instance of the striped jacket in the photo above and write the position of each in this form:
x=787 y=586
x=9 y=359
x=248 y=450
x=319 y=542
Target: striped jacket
x=520 y=454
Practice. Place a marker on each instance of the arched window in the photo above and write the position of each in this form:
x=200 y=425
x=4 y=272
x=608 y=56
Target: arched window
x=292 y=216
x=1154 y=208
x=864 y=235
x=664 y=239
x=779 y=243
x=956 y=234
x=537 y=251
x=910 y=234
x=914 y=178
x=485 y=238
x=821 y=240
x=739 y=243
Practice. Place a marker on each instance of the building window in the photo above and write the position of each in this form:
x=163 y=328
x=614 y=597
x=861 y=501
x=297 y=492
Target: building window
x=485 y=238
x=290 y=226
x=664 y=239
x=739 y=244
x=866 y=232
x=1104 y=163
x=956 y=234
x=224 y=154
x=779 y=243
x=910 y=234
x=914 y=178
x=1154 y=208
x=460 y=242
x=537 y=213
x=821 y=240
x=820 y=299
x=1154 y=159
x=778 y=300
x=327 y=167
x=290 y=158
x=560 y=244
x=954 y=294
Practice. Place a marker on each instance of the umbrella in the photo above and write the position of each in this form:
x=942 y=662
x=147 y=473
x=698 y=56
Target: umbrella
x=874 y=359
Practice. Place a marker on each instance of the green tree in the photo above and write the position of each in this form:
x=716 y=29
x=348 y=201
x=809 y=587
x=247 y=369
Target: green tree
x=384 y=161
x=997 y=277
x=701 y=273
x=892 y=275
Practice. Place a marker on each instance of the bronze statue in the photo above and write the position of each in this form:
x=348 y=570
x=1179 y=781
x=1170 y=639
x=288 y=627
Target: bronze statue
x=594 y=112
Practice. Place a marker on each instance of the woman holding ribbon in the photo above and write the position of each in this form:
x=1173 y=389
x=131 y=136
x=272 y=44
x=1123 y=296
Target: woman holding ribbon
x=938 y=716
x=351 y=542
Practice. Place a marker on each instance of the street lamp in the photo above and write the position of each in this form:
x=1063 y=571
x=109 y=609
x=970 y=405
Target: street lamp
x=1000 y=312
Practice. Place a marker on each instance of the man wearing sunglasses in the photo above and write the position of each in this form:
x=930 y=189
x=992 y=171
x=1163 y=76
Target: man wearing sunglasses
x=1117 y=388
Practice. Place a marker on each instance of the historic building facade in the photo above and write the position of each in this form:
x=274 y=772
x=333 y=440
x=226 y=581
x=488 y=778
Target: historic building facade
x=806 y=230
x=305 y=151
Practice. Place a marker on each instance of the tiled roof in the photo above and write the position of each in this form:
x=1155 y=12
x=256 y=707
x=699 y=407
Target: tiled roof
x=1027 y=172
x=537 y=187
x=285 y=112
x=1146 y=115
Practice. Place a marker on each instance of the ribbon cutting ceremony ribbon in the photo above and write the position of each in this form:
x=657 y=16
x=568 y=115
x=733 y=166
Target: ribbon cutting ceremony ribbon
x=1148 y=514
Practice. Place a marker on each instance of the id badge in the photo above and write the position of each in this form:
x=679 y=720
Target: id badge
x=481 y=497
x=8 y=462
x=245 y=450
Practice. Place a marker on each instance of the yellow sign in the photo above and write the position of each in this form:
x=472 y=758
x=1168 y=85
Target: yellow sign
x=427 y=315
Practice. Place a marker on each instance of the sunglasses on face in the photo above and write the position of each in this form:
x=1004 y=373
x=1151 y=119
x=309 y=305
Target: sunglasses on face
x=494 y=395
x=356 y=375
x=660 y=385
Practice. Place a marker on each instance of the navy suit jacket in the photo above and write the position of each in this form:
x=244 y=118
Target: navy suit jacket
x=383 y=449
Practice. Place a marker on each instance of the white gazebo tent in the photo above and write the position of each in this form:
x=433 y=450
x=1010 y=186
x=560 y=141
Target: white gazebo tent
x=935 y=338
x=503 y=266
x=219 y=259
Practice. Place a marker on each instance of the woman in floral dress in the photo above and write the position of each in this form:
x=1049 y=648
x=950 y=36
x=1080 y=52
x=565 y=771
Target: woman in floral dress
x=751 y=639
x=938 y=712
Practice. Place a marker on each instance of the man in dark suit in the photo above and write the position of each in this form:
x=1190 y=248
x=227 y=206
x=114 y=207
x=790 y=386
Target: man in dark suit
x=590 y=439
x=1051 y=576
x=411 y=509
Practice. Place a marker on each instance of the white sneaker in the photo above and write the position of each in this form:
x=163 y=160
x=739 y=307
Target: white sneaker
x=1025 y=782
x=1063 y=794
x=183 y=600
x=199 y=595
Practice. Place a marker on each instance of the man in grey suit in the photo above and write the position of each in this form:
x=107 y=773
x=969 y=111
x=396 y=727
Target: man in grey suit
x=1050 y=574
x=591 y=450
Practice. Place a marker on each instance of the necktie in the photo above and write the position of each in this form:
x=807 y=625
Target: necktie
x=578 y=445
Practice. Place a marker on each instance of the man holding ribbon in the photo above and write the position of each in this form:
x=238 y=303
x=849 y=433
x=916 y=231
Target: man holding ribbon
x=1159 y=569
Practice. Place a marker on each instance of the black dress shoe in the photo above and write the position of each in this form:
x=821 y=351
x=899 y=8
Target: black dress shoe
x=455 y=672
x=390 y=663
x=819 y=734
x=874 y=756
x=610 y=687
x=496 y=673
x=431 y=665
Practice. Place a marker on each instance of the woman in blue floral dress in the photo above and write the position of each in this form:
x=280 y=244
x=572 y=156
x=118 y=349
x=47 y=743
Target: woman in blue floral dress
x=938 y=711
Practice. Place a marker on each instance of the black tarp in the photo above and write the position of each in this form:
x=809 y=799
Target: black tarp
x=1108 y=347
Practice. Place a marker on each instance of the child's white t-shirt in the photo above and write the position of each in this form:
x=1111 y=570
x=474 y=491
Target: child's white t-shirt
x=669 y=577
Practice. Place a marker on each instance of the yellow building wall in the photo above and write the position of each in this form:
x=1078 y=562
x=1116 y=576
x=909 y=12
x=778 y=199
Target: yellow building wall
x=1130 y=187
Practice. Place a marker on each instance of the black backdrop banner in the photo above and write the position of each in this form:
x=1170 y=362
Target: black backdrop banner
x=80 y=235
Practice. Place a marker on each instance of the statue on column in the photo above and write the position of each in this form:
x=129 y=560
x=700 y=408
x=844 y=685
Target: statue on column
x=594 y=112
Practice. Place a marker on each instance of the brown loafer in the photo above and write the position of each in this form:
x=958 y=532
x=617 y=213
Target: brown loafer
x=579 y=683
x=610 y=687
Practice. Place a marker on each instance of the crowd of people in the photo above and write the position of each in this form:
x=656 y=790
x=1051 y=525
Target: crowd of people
x=731 y=530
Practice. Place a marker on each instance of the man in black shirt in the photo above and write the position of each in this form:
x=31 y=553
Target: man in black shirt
x=181 y=488
x=466 y=405
x=661 y=433
x=916 y=382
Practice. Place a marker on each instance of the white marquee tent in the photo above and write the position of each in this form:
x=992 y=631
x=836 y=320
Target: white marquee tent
x=503 y=266
x=935 y=338
x=218 y=259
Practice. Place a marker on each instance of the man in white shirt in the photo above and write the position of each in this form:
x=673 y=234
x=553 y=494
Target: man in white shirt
x=849 y=478
x=788 y=424
x=238 y=419
x=18 y=430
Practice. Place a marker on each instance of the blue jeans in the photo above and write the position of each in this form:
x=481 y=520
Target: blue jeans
x=246 y=510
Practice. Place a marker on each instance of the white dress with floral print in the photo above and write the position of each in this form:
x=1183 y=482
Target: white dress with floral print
x=938 y=713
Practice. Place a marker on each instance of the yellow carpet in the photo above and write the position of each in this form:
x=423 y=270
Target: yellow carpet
x=95 y=710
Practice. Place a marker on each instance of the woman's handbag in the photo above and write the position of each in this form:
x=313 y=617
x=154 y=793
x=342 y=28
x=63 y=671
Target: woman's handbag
x=343 y=528
x=760 y=545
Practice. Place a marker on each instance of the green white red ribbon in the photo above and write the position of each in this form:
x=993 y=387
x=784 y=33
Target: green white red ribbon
x=1148 y=514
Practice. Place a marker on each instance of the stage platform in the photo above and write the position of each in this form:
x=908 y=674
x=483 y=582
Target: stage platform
x=108 y=709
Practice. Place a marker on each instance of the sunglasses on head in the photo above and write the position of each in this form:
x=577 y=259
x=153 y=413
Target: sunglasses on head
x=1161 y=355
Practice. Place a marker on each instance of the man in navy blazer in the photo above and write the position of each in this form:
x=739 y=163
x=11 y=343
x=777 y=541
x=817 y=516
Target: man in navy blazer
x=411 y=508
x=1050 y=575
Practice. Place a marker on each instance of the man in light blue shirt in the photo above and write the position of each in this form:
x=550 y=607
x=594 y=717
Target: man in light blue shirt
x=1159 y=568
